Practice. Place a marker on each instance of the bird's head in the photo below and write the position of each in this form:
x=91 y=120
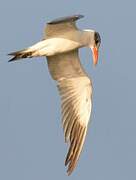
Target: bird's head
x=94 y=44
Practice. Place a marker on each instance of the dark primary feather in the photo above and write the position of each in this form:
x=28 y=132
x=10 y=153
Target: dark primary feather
x=60 y=26
x=66 y=19
x=19 y=55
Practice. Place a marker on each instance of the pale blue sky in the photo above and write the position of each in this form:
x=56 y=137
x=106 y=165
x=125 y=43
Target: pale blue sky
x=31 y=138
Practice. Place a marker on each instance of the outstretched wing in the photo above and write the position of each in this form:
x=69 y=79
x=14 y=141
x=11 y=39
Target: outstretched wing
x=75 y=89
x=61 y=25
x=76 y=108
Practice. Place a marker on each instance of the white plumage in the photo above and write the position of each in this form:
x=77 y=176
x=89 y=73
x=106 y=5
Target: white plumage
x=60 y=45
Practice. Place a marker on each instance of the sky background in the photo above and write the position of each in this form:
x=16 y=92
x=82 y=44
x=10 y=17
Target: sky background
x=31 y=137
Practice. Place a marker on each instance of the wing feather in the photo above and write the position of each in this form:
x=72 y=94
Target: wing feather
x=76 y=109
x=65 y=65
x=75 y=89
x=61 y=26
x=66 y=19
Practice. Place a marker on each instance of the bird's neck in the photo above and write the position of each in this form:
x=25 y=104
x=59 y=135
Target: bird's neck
x=87 y=37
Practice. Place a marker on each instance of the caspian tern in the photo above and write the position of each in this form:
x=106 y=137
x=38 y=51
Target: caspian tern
x=60 y=45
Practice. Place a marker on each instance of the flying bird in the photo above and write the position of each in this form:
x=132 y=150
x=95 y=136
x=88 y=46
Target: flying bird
x=61 y=43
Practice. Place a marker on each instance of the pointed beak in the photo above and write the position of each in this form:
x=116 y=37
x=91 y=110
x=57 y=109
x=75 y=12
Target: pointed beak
x=95 y=54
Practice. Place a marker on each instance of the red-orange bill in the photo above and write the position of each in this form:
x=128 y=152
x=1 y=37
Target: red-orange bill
x=95 y=55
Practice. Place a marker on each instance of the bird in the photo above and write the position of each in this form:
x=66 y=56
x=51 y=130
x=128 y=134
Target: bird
x=60 y=45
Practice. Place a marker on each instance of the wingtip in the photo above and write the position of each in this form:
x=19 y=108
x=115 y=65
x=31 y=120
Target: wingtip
x=13 y=58
x=20 y=55
x=80 y=16
x=10 y=54
x=67 y=161
x=69 y=173
x=66 y=19
x=71 y=169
